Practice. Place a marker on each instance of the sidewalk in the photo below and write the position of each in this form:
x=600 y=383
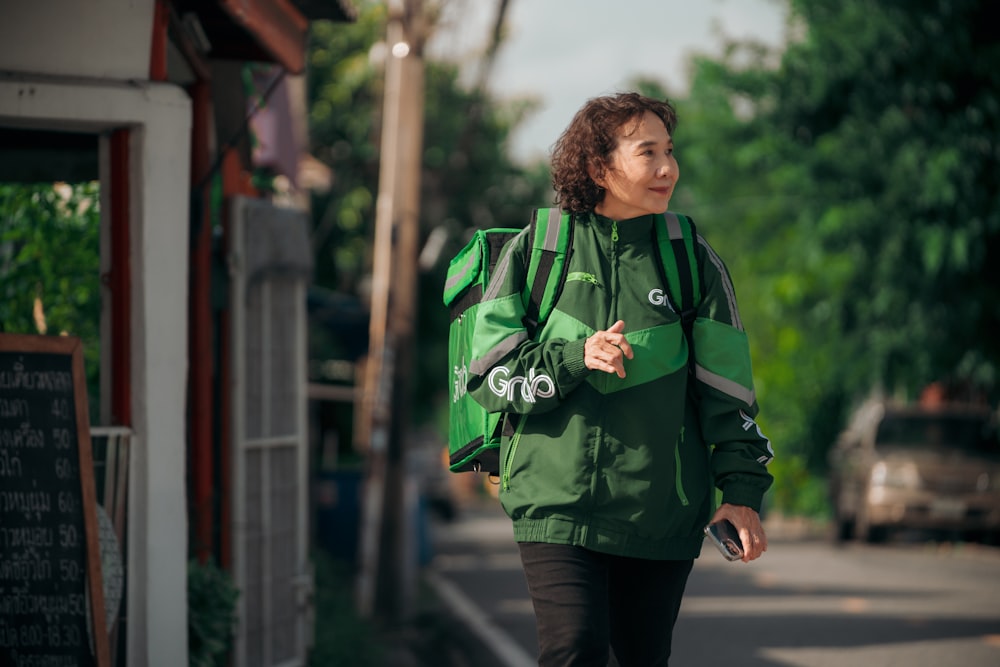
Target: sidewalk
x=448 y=631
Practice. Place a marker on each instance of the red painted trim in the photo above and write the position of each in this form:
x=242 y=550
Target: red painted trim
x=158 y=50
x=278 y=26
x=201 y=408
x=120 y=282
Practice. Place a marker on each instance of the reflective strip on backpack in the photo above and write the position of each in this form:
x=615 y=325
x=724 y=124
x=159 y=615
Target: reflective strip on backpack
x=460 y=276
x=552 y=229
x=668 y=256
x=499 y=275
x=548 y=264
x=547 y=227
x=674 y=230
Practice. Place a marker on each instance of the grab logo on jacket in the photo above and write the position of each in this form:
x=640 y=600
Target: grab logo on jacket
x=536 y=385
x=658 y=297
x=749 y=423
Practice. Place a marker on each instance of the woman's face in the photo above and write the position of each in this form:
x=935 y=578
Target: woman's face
x=642 y=173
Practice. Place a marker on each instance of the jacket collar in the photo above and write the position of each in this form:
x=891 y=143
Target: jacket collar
x=629 y=230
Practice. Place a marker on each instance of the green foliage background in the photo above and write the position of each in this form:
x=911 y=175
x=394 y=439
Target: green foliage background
x=848 y=180
x=850 y=183
x=212 y=597
x=468 y=179
x=49 y=252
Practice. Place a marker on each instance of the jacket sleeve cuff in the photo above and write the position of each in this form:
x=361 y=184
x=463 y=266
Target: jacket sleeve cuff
x=741 y=494
x=573 y=362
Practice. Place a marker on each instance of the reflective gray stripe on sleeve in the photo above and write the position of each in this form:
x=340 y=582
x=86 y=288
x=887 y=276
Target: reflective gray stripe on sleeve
x=725 y=385
x=500 y=273
x=727 y=284
x=499 y=351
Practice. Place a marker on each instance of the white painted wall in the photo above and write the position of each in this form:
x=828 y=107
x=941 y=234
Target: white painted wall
x=107 y=39
x=159 y=117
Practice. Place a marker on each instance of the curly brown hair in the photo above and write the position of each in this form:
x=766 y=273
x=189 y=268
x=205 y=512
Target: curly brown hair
x=590 y=139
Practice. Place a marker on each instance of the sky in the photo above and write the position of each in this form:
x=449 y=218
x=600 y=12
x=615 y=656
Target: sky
x=563 y=52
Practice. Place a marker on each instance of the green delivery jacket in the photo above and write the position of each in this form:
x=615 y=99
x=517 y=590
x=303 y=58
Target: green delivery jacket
x=621 y=466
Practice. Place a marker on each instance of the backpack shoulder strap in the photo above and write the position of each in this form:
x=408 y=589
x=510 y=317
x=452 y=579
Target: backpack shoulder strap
x=552 y=239
x=676 y=236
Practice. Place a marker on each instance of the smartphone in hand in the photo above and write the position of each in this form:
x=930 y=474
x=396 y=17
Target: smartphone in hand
x=724 y=536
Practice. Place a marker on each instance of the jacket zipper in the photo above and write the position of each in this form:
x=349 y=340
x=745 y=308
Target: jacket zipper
x=511 y=449
x=614 y=267
x=583 y=277
x=614 y=318
x=679 y=479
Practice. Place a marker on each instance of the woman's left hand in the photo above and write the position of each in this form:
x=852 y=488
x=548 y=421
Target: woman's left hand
x=747 y=523
x=607 y=350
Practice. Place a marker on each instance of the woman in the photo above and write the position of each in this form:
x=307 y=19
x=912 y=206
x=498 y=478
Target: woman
x=609 y=479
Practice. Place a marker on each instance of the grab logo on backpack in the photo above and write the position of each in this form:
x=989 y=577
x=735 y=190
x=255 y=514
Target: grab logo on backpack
x=460 y=378
x=531 y=386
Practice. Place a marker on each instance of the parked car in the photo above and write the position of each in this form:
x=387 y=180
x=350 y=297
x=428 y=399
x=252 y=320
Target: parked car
x=912 y=467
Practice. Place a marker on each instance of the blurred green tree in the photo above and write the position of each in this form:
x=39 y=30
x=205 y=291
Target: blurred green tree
x=50 y=266
x=468 y=179
x=850 y=181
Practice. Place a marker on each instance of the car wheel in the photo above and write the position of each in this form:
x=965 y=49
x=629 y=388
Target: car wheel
x=878 y=534
x=843 y=530
x=866 y=532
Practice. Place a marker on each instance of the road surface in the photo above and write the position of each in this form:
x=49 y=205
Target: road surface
x=806 y=603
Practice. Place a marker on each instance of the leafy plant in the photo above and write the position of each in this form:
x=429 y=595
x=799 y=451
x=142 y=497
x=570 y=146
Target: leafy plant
x=342 y=637
x=212 y=599
x=50 y=266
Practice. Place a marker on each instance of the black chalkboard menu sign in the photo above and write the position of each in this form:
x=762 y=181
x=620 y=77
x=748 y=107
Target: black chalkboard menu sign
x=51 y=596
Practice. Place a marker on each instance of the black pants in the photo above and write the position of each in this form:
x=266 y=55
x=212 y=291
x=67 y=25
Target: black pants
x=586 y=601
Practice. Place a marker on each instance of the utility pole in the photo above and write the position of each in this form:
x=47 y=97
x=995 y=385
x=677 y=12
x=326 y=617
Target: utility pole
x=382 y=581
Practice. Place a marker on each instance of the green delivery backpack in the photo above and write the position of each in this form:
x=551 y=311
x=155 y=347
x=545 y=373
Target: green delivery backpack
x=473 y=433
